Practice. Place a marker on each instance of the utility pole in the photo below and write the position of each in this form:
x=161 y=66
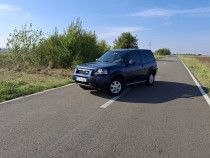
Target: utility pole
x=150 y=45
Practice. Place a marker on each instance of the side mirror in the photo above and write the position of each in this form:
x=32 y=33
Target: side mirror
x=131 y=62
x=96 y=59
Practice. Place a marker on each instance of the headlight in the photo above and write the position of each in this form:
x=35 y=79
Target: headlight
x=101 y=72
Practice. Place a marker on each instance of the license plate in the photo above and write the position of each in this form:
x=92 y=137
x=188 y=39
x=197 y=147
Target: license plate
x=81 y=79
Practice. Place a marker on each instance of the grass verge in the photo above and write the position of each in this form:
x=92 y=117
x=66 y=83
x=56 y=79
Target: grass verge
x=12 y=89
x=160 y=56
x=20 y=84
x=15 y=82
x=201 y=70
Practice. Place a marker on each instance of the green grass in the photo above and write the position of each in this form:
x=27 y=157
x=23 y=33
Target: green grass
x=200 y=70
x=14 y=89
x=15 y=82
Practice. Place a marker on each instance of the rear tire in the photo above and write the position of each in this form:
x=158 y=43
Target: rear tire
x=115 y=87
x=150 y=79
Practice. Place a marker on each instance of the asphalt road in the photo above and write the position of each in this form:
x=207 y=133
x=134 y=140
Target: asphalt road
x=169 y=119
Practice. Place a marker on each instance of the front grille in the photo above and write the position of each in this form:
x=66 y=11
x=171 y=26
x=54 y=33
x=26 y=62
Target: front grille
x=82 y=72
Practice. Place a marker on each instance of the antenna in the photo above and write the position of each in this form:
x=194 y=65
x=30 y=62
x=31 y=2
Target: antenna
x=150 y=45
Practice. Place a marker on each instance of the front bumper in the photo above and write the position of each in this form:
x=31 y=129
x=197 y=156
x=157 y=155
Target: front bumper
x=94 y=82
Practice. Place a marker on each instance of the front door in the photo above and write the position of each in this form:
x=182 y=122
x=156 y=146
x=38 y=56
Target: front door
x=134 y=72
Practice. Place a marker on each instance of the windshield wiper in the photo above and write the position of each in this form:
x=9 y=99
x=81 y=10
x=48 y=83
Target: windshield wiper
x=106 y=61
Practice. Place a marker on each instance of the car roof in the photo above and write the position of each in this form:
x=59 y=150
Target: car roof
x=130 y=49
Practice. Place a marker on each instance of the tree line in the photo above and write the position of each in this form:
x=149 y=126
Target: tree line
x=74 y=46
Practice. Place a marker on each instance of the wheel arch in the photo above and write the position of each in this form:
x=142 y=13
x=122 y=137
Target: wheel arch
x=152 y=70
x=118 y=75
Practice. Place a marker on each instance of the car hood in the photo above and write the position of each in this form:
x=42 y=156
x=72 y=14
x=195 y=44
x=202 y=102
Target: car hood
x=98 y=65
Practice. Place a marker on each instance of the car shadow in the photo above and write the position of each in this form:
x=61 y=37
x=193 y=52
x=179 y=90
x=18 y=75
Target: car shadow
x=101 y=93
x=160 y=92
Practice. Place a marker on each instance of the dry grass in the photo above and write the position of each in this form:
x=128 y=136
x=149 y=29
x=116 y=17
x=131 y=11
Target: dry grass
x=160 y=56
x=203 y=59
x=36 y=77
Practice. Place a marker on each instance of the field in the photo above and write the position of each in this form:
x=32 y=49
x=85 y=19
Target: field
x=15 y=82
x=200 y=67
x=203 y=59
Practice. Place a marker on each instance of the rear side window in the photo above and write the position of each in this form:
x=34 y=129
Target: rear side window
x=147 y=56
x=133 y=55
x=151 y=55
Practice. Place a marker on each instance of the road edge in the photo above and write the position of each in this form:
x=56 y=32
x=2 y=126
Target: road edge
x=204 y=94
x=26 y=96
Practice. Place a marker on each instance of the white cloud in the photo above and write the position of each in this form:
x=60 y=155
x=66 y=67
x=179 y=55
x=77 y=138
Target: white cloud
x=166 y=13
x=116 y=31
x=8 y=8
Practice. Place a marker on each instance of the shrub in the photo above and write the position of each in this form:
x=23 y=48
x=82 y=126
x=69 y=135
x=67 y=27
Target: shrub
x=163 y=51
x=22 y=44
x=76 y=45
x=103 y=47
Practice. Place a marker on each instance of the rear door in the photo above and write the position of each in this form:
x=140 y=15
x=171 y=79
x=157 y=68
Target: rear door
x=147 y=60
x=134 y=72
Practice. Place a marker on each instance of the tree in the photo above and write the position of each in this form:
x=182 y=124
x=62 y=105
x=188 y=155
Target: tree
x=163 y=51
x=22 y=44
x=126 y=40
x=75 y=46
x=103 y=47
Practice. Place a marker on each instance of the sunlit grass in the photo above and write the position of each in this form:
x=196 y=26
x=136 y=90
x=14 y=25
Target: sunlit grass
x=201 y=70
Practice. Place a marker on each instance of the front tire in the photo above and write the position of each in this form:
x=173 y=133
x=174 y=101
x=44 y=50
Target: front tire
x=150 y=79
x=115 y=87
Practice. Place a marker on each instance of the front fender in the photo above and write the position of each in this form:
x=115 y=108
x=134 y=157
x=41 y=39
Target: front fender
x=152 y=68
x=116 y=73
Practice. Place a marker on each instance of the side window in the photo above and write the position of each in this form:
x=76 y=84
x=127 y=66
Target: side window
x=146 y=56
x=142 y=57
x=151 y=55
x=133 y=56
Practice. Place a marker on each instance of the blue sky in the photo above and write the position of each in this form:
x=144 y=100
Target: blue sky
x=180 y=25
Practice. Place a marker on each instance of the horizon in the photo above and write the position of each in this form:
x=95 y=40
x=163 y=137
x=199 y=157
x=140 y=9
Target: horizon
x=182 y=27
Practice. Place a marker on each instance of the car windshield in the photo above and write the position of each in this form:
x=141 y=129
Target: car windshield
x=113 y=57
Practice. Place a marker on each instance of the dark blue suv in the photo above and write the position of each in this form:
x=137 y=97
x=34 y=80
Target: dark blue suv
x=116 y=69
